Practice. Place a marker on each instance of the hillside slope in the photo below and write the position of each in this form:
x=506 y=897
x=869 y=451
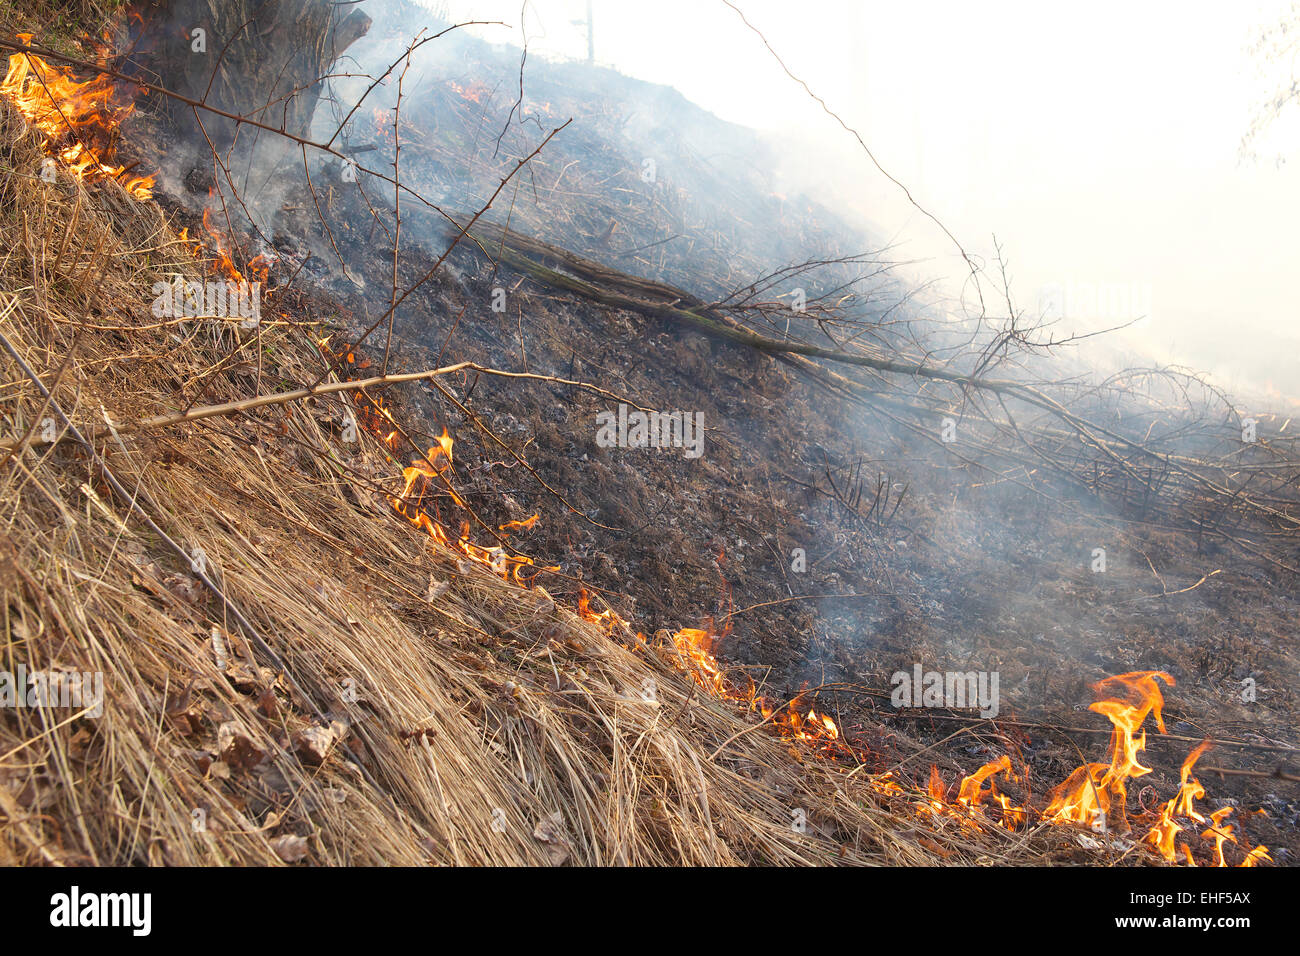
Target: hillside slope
x=331 y=631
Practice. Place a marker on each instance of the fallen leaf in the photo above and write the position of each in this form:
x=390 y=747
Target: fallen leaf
x=237 y=748
x=313 y=744
x=290 y=848
x=550 y=833
x=436 y=589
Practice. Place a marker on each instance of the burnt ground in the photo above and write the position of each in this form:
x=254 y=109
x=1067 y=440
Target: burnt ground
x=964 y=574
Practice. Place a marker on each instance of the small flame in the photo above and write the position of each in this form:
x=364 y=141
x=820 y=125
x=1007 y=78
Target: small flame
x=258 y=268
x=1100 y=792
x=971 y=793
x=376 y=418
x=607 y=619
x=1164 y=832
x=428 y=467
x=525 y=525
x=474 y=93
x=695 y=655
x=695 y=646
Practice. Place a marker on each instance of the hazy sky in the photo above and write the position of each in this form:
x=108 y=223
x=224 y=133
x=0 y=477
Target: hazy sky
x=1098 y=141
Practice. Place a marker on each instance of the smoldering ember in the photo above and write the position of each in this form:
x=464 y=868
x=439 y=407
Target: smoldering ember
x=358 y=360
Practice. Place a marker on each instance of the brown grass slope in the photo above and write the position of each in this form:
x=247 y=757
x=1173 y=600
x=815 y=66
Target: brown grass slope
x=474 y=724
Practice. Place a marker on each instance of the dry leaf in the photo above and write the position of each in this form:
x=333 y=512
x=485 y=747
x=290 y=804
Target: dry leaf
x=550 y=833
x=313 y=744
x=290 y=848
x=436 y=589
x=237 y=748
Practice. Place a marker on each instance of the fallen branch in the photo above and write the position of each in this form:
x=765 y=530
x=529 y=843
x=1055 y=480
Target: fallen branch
x=325 y=388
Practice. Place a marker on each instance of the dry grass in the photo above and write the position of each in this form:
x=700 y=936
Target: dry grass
x=481 y=725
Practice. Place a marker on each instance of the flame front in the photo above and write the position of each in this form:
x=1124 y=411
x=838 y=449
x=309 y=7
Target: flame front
x=434 y=466
x=1094 y=795
x=694 y=649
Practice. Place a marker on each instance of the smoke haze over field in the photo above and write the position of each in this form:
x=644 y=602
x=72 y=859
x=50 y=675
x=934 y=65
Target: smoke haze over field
x=1100 y=143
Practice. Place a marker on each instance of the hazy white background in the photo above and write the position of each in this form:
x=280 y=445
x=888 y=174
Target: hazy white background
x=1099 y=142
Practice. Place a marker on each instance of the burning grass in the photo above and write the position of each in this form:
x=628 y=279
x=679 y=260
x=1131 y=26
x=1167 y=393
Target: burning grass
x=78 y=120
x=1094 y=796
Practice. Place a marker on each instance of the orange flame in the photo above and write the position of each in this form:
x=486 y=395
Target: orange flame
x=695 y=655
x=1164 y=832
x=695 y=645
x=258 y=268
x=78 y=121
x=1095 y=792
x=971 y=792
x=525 y=525
x=608 y=619
x=474 y=93
x=374 y=416
x=427 y=467
x=1220 y=833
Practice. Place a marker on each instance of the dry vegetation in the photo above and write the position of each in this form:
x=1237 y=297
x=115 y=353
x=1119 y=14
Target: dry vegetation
x=295 y=673
x=470 y=699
